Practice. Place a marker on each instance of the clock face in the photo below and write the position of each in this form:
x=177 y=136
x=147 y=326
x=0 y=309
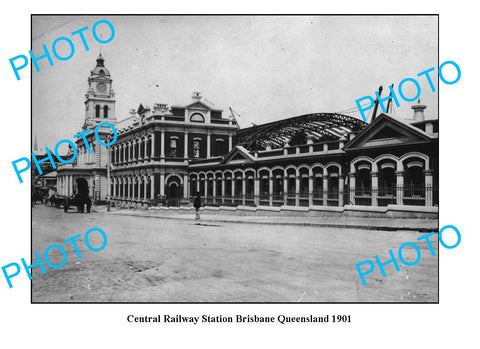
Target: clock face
x=101 y=87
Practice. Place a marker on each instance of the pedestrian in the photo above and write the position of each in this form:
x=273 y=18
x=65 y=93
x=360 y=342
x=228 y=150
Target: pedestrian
x=197 y=203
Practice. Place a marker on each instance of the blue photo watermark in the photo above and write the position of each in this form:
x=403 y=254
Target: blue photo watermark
x=393 y=95
x=393 y=260
x=13 y=269
x=21 y=61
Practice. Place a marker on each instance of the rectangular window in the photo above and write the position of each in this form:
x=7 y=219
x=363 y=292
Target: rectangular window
x=173 y=147
x=196 y=148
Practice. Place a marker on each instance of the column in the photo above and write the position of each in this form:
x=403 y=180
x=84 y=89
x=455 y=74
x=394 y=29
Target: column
x=198 y=184
x=70 y=185
x=152 y=184
x=244 y=187
x=223 y=189
x=97 y=189
x=233 y=188
x=325 y=187
x=144 y=188
x=205 y=186
x=285 y=189
x=214 y=189
x=270 y=190
x=374 y=188
x=124 y=150
x=98 y=154
x=126 y=191
x=341 y=185
x=162 y=184
x=186 y=186
x=229 y=142
x=162 y=148
x=185 y=145
x=145 y=148
x=132 y=188
x=256 y=190
x=208 y=143
x=428 y=188
x=114 y=179
x=152 y=150
x=297 y=189
x=310 y=190
x=138 y=187
x=399 y=187
x=352 y=189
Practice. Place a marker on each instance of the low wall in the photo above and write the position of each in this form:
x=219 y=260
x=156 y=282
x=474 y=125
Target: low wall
x=399 y=211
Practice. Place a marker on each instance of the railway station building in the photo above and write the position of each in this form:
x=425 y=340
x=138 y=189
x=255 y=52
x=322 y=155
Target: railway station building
x=315 y=160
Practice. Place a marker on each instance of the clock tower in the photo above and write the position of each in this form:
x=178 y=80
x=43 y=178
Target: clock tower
x=100 y=97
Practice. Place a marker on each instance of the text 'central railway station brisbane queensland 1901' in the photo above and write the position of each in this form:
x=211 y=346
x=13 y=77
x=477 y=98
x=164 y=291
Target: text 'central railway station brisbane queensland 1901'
x=325 y=162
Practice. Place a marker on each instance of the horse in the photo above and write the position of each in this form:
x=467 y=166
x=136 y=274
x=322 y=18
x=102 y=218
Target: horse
x=79 y=201
x=37 y=196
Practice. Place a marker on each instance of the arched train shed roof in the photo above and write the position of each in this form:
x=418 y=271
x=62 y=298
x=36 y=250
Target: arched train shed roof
x=320 y=126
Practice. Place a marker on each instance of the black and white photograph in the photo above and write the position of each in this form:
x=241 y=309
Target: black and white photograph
x=236 y=159
x=238 y=175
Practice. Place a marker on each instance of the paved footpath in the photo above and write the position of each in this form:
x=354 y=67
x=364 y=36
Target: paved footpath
x=389 y=224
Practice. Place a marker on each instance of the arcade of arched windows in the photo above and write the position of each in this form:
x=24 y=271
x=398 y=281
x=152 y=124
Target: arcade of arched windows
x=405 y=180
x=133 y=188
x=304 y=185
x=387 y=179
x=138 y=149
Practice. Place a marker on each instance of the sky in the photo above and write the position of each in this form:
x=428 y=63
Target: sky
x=265 y=68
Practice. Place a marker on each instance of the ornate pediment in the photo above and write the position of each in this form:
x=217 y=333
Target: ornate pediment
x=238 y=155
x=385 y=131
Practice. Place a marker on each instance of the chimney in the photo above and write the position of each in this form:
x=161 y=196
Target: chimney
x=418 y=109
x=160 y=107
x=133 y=112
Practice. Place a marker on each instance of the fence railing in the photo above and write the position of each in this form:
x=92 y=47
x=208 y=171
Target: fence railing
x=404 y=195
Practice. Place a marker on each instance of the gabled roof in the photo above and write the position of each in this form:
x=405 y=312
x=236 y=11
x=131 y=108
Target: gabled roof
x=199 y=104
x=386 y=131
x=238 y=155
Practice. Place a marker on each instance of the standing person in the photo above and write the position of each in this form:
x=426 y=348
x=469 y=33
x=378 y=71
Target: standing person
x=197 y=203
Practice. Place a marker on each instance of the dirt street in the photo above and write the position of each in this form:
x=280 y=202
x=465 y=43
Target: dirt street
x=165 y=260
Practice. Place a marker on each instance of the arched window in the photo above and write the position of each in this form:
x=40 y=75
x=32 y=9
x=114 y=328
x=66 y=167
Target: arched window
x=304 y=182
x=105 y=111
x=363 y=185
x=414 y=183
x=387 y=183
x=149 y=147
x=197 y=117
x=318 y=186
x=97 y=111
x=142 y=148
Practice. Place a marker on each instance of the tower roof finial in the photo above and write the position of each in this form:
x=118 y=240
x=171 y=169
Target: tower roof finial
x=100 y=61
